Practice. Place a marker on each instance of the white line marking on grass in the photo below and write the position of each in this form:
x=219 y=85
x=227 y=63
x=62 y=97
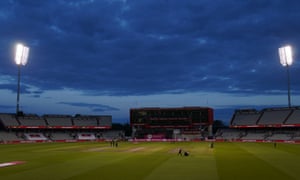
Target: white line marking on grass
x=11 y=163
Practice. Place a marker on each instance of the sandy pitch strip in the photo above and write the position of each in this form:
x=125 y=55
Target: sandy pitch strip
x=136 y=149
x=174 y=151
x=97 y=149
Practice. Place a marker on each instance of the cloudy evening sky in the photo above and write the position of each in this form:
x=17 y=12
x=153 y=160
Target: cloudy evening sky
x=107 y=56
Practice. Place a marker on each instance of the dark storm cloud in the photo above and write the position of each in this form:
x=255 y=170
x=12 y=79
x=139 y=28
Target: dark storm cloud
x=13 y=88
x=150 y=47
x=93 y=107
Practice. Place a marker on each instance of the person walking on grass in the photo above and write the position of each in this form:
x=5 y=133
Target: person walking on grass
x=180 y=152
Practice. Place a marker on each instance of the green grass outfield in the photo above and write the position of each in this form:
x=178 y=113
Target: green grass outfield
x=151 y=161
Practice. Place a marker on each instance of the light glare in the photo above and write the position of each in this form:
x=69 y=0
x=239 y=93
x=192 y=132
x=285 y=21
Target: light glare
x=285 y=55
x=22 y=53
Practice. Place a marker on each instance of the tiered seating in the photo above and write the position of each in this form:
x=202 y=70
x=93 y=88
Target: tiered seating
x=254 y=135
x=275 y=124
x=31 y=120
x=85 y=120
x=54 y=127
x=274 y=116
x=61 y=136
x=9 y=119
x=9 y=136
x=296 y=135
x=280 y=136
x=105 y=120
x=58 y=120
x=294 y=117
x=268 y=117
x=111 y=134
x=246 y=117
x=230 y=134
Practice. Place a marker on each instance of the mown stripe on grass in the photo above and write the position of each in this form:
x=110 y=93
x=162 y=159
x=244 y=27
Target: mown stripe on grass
x=234 y=162
x=277 y=156
x=135 y=166
x=68 y=167
x=199 y=165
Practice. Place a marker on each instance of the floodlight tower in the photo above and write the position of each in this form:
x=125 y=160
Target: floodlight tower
x=286 y=59
x=21 y=58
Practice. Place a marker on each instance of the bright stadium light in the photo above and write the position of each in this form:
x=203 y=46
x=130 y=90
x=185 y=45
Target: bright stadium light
x=286 y=59
x=22 y=53
x=285 y=55
x=21 y=58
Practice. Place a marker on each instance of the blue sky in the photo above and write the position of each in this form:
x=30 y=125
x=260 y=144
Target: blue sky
x=107 y=56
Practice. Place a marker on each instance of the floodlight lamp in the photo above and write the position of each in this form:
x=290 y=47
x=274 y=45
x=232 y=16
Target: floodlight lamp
x=22 y=53
x=285 y=55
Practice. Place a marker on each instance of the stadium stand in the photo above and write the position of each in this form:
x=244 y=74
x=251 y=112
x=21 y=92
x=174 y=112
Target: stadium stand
x=279 y=136
x=54 y=127
x=229 y=134
x=254 y=135
x=274 y=116
x=85 y=120
x=9 y=136
x=58 y=120
x=105 y=120
x=31 y=120
x=246 y=117
x=296 y=136
x=61 y=136
x=8 y=119
x=266 y=125
x=294 y=118
x=272 y=124
x=113 y=134
x=279 y=117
